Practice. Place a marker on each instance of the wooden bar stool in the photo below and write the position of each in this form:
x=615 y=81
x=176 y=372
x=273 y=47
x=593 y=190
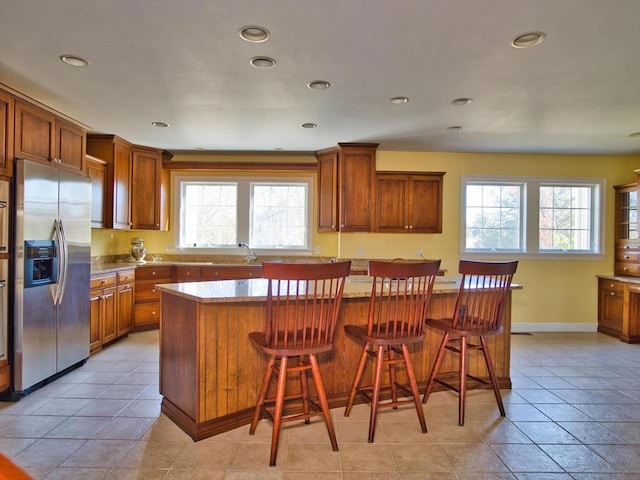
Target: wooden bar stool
x=303 y=302
x=478 y=312
x=400 y=294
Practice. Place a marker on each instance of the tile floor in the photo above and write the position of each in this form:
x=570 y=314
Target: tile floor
x=573 y=413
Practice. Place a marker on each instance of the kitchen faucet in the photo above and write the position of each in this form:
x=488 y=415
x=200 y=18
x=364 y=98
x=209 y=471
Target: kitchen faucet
x=251 y=256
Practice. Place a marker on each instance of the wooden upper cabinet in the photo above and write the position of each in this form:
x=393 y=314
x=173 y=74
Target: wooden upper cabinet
x=149 y=190
x=34 y=133
x=70 y=147
x=6 y=134
x=349 y=171
x=42 y=137
x=116 y=152
x=97 y=170
x=328 y=192
x=409 y=202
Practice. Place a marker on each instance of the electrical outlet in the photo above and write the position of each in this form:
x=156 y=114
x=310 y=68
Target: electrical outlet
x=419 y=252
x=360 y=252
x=317 y=250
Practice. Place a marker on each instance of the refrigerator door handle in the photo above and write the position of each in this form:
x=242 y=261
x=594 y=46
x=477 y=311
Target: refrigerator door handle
x=64 y=264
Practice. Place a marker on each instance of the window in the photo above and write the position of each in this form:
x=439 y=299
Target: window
x=266 y=213
x=531 y=216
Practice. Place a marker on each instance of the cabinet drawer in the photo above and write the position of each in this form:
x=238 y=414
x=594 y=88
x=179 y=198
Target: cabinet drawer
x=628 y=245
x=126 y=276
x=188 y=274
x=147 y=313
x=148 y=273
x=632 y=269
x=611 y=285
x=100 y=281
x=231 y=273
x=146 y=291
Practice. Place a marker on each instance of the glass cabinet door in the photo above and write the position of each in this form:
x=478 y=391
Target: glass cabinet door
x=627 y=212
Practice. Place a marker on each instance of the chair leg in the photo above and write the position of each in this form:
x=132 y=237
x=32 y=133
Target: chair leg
x=375 y=394
x=462 y=394
x=279 y=407
x=304 y=388
x=357 y=379
x=324 y=404
x=414 y=387
x=436 y=367
x=266 y=379
x=393 y=378
x=492 y=375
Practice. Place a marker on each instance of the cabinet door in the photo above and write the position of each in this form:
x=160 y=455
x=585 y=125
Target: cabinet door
x=356 y=173
x=108 y=319
x=6 y=134
x=34 y=133
x=125 y=309
x=145 y=190
x=97 y=171
x=94 y=319
x=610 y=307
x=328 y=192
x=121 y=174
x=425 y=203
x=70 y=147
x=392 y=197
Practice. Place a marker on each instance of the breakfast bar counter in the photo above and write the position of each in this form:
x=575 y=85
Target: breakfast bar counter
x=210 y=372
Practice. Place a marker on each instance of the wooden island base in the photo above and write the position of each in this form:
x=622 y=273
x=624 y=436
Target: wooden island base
x=210 y=372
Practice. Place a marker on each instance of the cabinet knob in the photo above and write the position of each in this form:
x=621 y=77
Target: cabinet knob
x=410 y=227
x=613 y=294
x=153 y=273
x=626 y=257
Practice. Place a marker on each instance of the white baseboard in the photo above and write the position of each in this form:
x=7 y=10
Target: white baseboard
x=553 y=327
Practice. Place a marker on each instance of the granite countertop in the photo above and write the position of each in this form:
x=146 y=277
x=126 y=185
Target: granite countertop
x=620 y=278
x=228 y=291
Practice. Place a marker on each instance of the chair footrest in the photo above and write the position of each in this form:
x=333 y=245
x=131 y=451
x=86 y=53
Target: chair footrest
x=451 y=380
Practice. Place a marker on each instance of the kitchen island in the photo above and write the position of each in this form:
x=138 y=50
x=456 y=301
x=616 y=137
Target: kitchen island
x=210 y=372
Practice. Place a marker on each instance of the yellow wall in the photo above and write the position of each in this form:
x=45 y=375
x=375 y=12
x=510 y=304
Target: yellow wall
x=555 y=292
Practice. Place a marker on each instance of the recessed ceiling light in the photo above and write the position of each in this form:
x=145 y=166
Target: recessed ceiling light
x=461 y=101
x=318 y=85
x=262 y=62
x=160 y=124
x=635 y=134
x=74 y=61
x=455 y=128
x=398 y=100
x=309 y=125
x=529 y=39
x=254 y=33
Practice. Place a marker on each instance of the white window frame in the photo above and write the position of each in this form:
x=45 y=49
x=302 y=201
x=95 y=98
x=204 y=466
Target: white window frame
x=243 y=215
x=529 y=217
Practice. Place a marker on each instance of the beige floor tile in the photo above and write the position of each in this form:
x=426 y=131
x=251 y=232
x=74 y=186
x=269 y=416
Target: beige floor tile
x=371 y=457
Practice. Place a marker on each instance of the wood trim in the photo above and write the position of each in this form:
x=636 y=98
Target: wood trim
x=36 y=103
x=242 y=166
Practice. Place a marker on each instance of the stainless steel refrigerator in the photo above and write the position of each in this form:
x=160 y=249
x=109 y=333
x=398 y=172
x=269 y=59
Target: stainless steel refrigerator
x=52 y=251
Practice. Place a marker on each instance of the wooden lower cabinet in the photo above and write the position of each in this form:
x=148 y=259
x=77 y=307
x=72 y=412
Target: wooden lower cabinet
x=147 y=298
x=619 y=309
x=111 y=302
x=125 y=302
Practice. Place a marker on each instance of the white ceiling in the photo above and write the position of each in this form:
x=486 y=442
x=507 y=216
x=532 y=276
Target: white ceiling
x=183 y=62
